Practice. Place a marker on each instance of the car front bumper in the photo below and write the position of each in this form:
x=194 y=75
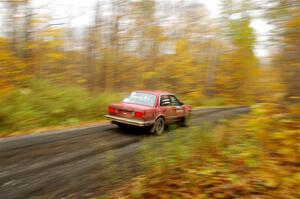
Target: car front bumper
x=129 y=121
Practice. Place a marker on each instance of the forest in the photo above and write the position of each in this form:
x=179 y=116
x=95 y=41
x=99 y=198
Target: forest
x=127 y=45
x=55 y=72
x=135 y=37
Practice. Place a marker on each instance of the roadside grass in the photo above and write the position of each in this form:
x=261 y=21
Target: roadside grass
x=42 y=104
x=253 y=156
x=175 y=146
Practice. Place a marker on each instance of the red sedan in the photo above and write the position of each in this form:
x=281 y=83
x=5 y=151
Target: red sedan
x=153 y=109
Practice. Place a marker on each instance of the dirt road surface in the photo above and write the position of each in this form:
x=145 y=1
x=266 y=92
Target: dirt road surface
x=78 y=162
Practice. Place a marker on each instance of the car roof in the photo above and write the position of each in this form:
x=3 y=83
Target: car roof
x=155 y=92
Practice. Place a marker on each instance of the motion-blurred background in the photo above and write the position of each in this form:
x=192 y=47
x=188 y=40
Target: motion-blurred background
x=62 y=62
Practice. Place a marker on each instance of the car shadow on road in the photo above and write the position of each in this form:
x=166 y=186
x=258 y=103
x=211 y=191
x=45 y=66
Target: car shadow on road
x=133 y=131
x=141 y=131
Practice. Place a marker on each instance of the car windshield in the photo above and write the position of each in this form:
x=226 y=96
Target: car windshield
x=140 y=98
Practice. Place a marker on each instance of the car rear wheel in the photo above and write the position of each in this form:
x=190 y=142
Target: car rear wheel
x=159 y=126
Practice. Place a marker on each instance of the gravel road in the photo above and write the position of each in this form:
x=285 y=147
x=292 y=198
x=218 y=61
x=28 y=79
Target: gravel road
x=75 y=163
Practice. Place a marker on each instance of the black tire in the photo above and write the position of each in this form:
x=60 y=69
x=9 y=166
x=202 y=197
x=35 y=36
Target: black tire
x=158 y=127
x=186 y=121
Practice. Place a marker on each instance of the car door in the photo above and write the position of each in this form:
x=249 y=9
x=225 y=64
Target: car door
x=177 y=108
x=167 y=108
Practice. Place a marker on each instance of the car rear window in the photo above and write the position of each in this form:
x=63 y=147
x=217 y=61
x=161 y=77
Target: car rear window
x=140 y=98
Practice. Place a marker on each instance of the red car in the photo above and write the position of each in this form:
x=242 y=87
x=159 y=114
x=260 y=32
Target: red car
x=153 y=109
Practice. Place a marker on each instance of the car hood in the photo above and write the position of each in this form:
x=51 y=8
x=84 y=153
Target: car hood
x=130 y=107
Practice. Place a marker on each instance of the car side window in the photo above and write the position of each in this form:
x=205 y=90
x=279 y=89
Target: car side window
x=174 y=101
x=165 y=100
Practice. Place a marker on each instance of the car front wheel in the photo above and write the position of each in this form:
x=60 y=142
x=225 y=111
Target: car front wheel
x=159 y=126
x=186 y=121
